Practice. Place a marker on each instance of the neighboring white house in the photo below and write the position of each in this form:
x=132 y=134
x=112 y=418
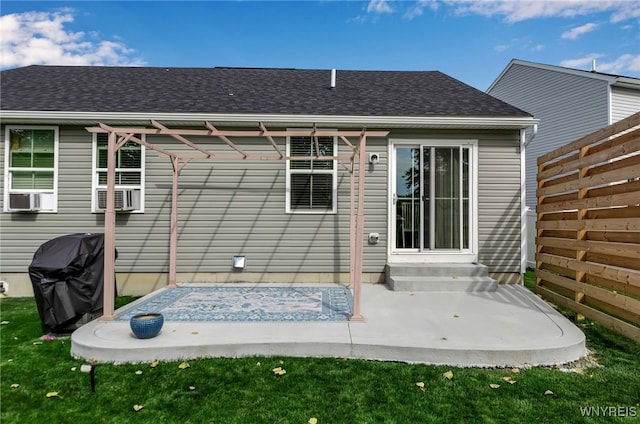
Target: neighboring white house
x=569 y=103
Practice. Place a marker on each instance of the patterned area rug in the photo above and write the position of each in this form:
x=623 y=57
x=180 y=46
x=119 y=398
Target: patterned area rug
x=236 y=304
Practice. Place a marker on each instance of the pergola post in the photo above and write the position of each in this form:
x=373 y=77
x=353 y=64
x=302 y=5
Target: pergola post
x=109 y=232
x=173 y=236
x=352 y=223
x=359 y=233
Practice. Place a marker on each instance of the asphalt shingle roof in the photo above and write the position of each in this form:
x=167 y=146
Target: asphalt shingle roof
x=244 y=91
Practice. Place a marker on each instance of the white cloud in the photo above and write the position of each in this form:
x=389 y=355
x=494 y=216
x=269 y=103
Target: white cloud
x=630 y=11
x=516 y=11
x=576 y=32
x=581 y=62
x=379 y=6
x=519 y=44
x=623 y=65
x=42 y=38
x=419 y=6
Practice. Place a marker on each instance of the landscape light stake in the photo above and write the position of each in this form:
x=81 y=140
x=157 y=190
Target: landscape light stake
x=91 y=370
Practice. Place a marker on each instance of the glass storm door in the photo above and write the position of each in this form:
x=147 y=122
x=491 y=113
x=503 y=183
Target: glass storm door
x=431 y=204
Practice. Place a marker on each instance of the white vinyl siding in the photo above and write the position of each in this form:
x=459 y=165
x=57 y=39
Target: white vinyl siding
x=499 y=222
x=624 y=102
x=568 y=106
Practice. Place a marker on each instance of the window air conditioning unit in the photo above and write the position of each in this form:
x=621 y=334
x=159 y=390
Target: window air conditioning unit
x=125 y=199
x=24 y=201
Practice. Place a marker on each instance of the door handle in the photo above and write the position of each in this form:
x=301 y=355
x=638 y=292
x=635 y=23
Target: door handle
x=395 y=198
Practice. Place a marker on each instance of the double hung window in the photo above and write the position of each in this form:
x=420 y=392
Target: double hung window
x=31 y=168
x=311 y=183
x=129 y=174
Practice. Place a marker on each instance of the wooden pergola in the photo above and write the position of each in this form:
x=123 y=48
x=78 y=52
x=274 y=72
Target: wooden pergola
x=119 y=136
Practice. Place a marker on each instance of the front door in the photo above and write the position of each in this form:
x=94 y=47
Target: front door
x=432 y=210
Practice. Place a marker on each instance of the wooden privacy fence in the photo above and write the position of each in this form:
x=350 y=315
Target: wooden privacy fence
x=588 y=226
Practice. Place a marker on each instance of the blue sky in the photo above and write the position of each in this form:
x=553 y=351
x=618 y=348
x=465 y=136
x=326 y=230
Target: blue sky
x=472 y=41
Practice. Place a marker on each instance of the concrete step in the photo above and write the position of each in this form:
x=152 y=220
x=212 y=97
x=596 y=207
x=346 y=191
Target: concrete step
x=438 y=270
x=440 y=278
x=443 y=284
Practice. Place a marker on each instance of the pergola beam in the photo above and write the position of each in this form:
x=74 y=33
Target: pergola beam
x=179 y=137
x=123 y=141
x=262 y=158
x=225 y=139
x=347 y=142
x=239 y=133
x=271 y=140
x=102 y=128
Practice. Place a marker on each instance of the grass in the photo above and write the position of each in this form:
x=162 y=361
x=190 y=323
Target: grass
x=246 y=390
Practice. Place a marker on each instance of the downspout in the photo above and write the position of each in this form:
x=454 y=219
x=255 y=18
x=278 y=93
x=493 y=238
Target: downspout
x=534 y=133
x=524 y=142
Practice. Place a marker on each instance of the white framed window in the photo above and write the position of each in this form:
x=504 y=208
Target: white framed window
x=311 y=184
x=31 y=169
x=129 y=188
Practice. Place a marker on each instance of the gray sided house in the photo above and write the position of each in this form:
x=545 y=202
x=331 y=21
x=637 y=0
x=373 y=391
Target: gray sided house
x=443 y=187
x=569 y=104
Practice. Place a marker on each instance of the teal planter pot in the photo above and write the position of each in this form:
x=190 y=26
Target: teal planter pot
x=146 y=326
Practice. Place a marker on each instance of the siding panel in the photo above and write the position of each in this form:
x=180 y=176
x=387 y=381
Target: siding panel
x=569 y=106
x=499 y=202
x=624 y=102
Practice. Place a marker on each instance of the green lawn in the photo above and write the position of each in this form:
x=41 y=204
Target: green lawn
x=247 y=390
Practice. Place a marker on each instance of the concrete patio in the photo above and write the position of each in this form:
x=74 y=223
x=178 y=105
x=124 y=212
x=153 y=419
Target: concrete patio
x=507 y=327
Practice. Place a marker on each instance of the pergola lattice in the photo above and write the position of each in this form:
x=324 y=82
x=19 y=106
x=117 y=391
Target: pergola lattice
x=119 y=136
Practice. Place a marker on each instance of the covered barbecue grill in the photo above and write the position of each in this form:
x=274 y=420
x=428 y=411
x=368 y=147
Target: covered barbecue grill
x=67 y=274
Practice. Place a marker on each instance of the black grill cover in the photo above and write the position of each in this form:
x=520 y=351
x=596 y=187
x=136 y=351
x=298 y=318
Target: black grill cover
x=67 y=277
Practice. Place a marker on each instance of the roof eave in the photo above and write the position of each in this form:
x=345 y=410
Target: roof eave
x=617 y=80
x=142 y=118
x=626 y=82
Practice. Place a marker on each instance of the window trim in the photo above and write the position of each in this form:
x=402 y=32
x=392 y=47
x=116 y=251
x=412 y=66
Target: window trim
x=334 y=183
x=94 y=177
x=7 y=171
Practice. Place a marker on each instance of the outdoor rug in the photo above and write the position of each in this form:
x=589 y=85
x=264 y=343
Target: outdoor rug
x=238 y=304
